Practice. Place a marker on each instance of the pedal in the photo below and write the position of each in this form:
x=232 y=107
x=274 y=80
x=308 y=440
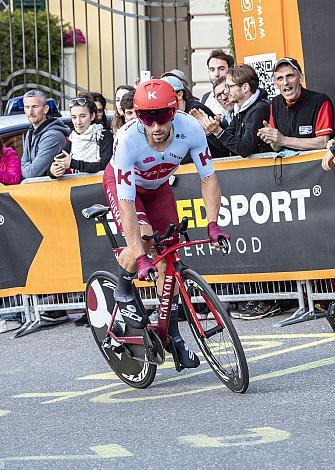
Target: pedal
x=153 y=347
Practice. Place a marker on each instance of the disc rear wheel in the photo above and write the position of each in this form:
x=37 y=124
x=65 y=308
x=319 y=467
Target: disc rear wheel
x=128 y=362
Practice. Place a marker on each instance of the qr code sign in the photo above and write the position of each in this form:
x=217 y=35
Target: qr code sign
x=263 y=65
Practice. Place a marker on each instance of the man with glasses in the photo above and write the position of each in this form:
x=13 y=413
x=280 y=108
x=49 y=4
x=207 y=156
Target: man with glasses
x=147 y=151
x=250 y=110
x=45 y=138
x=300 y=119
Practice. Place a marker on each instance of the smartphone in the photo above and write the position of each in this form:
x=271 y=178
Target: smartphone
x=145 y=75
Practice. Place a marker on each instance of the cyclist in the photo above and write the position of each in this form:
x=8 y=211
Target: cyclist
x=147 y=151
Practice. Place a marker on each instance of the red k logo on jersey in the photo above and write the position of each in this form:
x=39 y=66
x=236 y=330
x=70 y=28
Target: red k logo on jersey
x=123 y=176
x=204 y=158
x=157 y=171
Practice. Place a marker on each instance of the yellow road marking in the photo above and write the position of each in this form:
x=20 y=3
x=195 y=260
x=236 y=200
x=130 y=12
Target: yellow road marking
x=108 y=451
x=108 y=397
x=257 y=436
x=4 y=412
x=61 y=396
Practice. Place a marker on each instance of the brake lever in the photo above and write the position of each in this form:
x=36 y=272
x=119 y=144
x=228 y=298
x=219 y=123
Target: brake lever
x=225 y=245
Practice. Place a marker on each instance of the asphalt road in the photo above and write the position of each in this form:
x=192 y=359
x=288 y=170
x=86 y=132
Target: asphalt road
x=62 y=408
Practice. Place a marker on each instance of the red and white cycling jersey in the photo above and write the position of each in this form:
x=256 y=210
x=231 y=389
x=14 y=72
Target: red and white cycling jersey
x=136 y=163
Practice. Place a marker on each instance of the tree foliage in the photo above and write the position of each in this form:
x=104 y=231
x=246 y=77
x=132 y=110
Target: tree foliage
x=24 y=44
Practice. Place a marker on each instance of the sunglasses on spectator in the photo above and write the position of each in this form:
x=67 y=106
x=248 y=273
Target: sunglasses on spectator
x=78 y=102
x=161 y=116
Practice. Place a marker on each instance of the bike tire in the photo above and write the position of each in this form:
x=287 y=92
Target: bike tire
x=100 y=304
x=222 y=349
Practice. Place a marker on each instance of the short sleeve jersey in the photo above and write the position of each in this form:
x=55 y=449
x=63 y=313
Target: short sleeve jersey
x=136 y=163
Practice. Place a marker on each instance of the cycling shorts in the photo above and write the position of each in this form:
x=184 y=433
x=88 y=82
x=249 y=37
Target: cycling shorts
x=155 y=207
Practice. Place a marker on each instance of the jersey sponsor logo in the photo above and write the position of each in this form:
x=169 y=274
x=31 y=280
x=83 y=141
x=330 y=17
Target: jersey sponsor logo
x=158 y=171
x=123 y=176
x=149 y=159
x=204 y=158
x=175 y=156
x=305 y=130
x=152 y=95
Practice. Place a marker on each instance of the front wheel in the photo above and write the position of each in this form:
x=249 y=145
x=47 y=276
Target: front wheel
x=100 y=305
x=214 y=332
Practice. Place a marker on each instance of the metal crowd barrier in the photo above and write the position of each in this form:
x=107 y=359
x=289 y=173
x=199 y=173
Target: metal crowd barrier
x=304 y=292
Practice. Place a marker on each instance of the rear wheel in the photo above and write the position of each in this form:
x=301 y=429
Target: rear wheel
x=100 y=305
x=219 y=341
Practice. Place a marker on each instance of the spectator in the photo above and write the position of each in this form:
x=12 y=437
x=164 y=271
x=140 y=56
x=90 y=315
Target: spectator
x=118 y=118
x=44 y=139
x=251 y=108
x=182 y=77
x=187 y=104
x=127 y=106
x=218 y=64
x=100 y=103
x=222 y=97
x=10 y=167
x=300 y=119
x=90 y=145
x=328 y=159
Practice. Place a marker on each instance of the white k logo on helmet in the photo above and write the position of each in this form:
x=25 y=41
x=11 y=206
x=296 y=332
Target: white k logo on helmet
x=152 y=95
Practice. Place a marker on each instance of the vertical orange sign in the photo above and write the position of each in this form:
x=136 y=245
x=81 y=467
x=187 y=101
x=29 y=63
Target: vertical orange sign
x=264 y=31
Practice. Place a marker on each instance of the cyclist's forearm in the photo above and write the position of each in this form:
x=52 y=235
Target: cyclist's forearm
x=211 y=194
x=131 y=227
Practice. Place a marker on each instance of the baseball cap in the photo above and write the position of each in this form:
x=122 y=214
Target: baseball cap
x=176 y=73
x=176 y=84
x=288 y=60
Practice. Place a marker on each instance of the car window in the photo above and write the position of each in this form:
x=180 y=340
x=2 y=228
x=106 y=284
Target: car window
x=15 y=142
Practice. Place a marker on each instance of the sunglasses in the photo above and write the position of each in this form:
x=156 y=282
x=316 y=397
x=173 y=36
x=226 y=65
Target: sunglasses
x=78 y=102
x=161 y=116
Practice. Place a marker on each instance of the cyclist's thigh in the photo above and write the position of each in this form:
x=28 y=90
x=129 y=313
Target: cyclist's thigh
x=160 y=207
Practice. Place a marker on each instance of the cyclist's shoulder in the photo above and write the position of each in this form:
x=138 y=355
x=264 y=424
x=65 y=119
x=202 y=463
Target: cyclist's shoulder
x=185 y=124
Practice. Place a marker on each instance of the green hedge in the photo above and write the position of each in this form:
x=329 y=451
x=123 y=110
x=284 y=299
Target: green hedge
x=30 y=47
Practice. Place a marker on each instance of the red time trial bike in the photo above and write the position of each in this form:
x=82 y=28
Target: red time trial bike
x=135 y=354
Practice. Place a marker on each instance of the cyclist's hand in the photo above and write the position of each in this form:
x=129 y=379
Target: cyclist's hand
x=218 y=237
x=146 y=270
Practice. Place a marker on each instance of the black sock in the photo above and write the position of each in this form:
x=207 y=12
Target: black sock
x=124 y=289
x=173 y=325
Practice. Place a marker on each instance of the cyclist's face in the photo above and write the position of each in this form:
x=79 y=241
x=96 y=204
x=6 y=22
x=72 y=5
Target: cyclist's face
x=158 y=133
x=81 y=118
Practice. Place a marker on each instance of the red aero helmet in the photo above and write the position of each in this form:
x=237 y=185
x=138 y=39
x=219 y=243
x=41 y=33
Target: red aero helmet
x=155 y=94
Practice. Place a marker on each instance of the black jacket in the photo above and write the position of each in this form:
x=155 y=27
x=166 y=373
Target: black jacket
x=240 y=137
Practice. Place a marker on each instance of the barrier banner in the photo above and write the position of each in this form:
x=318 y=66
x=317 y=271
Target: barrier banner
x=279 y=214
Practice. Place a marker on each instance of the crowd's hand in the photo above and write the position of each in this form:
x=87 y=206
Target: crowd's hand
x=145 y=268
x=65 y=161
x=271 y=135
x=56 y=169
x=330 y=143
x=218 y=237
x=328 y=161
x=209 y=124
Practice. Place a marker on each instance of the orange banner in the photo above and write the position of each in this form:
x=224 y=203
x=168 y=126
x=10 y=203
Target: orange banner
x=264 y=31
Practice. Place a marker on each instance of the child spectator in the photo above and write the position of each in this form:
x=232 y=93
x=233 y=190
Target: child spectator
x=10 y=166
x=90 y=145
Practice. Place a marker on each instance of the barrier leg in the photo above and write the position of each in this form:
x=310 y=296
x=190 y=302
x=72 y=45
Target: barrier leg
x=300 y=315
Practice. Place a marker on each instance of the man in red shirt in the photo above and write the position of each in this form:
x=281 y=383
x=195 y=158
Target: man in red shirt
x=300 y=119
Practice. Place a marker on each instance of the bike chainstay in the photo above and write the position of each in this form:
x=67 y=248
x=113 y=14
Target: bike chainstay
x=153 y=348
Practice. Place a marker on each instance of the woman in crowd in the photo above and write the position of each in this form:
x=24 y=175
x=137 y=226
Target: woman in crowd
x=100 y=102
x=90 y=146
x=118 y=119
x=10 y=167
